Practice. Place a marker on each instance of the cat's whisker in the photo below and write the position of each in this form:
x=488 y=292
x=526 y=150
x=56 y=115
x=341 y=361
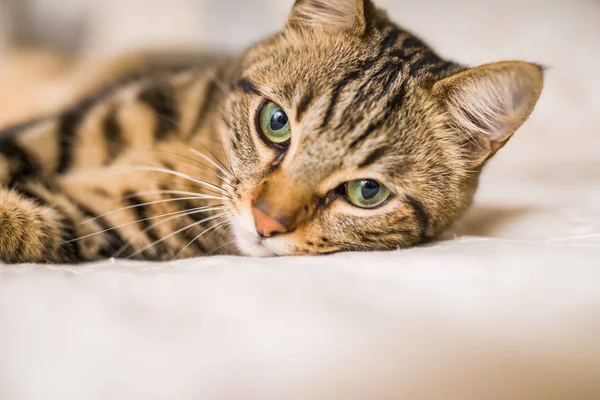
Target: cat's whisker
x=137 y=253
x=221 y=246
x=160 y=223
x=227 y=156
x=168 y=184
x=149 y=204
x=218 y=230
x=174 y=173
x=171 y=217
x=141 y=151
x=210 y=139
x=197 y=164
x=191 y=196
x=221 y=134
x=226 y=179
x=178 y=213
x=212 y=228
x=176 y=124
x=176 y=192
x=213 y=154
x=223 y=169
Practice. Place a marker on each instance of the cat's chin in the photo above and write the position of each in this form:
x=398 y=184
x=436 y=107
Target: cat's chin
x=251 y=244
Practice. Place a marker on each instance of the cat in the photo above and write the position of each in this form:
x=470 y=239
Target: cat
x=342 y=132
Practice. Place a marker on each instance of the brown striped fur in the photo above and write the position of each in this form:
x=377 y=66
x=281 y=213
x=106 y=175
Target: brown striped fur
x=365 y=99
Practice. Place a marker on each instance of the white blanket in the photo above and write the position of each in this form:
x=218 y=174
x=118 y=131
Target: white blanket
x=508 y=306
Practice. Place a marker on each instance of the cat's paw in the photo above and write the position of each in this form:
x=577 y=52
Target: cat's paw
x=29 y=232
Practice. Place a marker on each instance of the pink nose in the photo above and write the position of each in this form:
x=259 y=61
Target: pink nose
x=266 y=225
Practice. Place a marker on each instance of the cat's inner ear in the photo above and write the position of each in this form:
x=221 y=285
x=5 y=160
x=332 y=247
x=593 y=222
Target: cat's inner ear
x=330 y=15
x=487 y=104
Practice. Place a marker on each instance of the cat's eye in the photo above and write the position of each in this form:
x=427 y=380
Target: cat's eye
x=274 y=124
x=366 y=193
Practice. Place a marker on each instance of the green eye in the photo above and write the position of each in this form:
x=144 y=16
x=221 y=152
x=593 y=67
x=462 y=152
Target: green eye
x=367 y=193
x=274 y=124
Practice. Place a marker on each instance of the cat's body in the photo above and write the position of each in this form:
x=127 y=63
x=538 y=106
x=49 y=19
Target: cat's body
x=370 y=142
x=68 y=169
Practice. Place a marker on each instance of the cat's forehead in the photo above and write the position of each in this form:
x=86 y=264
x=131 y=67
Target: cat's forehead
x=292 y=64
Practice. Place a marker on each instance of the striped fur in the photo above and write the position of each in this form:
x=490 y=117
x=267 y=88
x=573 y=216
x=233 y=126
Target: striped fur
x=168 y=164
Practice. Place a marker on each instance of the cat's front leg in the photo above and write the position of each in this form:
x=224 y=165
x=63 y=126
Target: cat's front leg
x=32 y=230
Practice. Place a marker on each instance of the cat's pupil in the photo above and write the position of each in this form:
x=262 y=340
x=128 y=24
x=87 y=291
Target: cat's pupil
x=370 y=189
x=279 y=120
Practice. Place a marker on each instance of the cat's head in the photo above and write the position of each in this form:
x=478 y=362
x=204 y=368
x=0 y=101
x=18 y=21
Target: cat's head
x=348 y=133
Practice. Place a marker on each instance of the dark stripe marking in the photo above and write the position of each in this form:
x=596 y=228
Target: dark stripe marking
x=400 y=55
x=28 y=194
x=420 y=214
x=391 y=107
x=414 y=42
x=361 y=95
x=205 y=106
x=162 y=99
x=392 y=70
x=195 y=217
x=67 y=131
x=362 y=69
x=370 y=129
x=141 y=214
x=335 y=94
x=427 y=59
x=392 y=77
x=115 y=240
x=69 y=250
x=247 y=86
x=390 y=40
x=396 y=101
x=373 y=157
x=113 y=135
x=303 y=104
x=14 y=130
x=22 y=164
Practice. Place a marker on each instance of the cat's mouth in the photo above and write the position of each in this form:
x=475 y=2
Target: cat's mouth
x=250 y=242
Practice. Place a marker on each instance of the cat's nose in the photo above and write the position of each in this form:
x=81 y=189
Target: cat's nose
x=266 y=225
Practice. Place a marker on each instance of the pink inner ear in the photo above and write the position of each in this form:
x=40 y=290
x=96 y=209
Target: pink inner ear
x=489 y=103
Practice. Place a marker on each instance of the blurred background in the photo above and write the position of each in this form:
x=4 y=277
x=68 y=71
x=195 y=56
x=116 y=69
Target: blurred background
x=50 y=49
x=106 y=26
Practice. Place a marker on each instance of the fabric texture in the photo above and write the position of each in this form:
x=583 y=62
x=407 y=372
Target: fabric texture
x=507 y=305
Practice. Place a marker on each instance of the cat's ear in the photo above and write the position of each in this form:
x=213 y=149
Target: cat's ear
x=331 y=15
x=488 y=104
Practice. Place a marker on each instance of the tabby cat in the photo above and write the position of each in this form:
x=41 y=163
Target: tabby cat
x=343 y=132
